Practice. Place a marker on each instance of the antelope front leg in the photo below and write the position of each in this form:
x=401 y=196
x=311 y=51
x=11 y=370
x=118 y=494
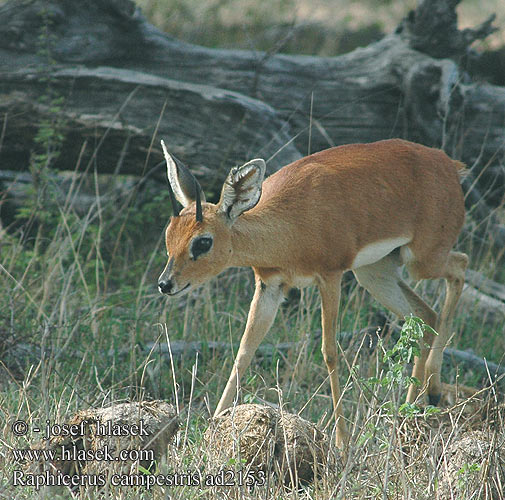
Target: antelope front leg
x=330 y=298
x=266 y=301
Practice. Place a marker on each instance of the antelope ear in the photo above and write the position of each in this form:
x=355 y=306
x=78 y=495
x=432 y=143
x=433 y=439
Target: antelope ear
x=182 y=181
x=242 y=188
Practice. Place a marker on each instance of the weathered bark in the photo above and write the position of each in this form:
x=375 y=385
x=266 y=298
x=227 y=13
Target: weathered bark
x=119 y=75
x=110 y=111
x=485 y=285
x=433 y=29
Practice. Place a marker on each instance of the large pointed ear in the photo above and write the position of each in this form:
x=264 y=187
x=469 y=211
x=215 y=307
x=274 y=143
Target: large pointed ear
x=182 y=181
x=242 y=188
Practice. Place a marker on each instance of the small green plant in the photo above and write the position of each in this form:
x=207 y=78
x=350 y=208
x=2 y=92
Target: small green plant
x=404 y=351
x=41 y=206
x=466 y=474
x=395 y=359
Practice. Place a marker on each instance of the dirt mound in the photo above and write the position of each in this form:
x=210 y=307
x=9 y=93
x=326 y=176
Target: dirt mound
x=474 y=467
x=264 y=439
x=116 y=439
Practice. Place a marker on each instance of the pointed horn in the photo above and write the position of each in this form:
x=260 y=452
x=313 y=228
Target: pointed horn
x=175 y=207
x=199 y=215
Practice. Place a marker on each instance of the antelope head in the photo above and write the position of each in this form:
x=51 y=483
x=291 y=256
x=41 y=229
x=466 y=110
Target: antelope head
x=199 y=237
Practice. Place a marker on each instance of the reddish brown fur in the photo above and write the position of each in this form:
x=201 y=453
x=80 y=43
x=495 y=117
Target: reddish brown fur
x=182 y=230
x=313 y=218
x=315 y=214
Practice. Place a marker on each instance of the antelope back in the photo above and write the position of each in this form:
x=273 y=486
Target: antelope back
x=335 y=210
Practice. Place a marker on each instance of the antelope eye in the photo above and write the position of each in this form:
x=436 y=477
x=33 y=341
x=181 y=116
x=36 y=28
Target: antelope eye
x=200 y=246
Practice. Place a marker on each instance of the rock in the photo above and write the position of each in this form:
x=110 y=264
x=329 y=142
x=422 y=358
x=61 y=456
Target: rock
x=474 y=467
x=265 y=439
x=101 y=434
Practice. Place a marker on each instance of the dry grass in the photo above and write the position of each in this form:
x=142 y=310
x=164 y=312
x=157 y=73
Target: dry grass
x=254 y=24
x=77 y=308
x=79 y=302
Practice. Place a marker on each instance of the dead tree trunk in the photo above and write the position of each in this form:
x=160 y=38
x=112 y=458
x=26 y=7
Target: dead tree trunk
x=125 y=84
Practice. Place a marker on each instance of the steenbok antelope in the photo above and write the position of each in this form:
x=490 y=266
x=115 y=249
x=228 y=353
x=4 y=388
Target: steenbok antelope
x=369 y=208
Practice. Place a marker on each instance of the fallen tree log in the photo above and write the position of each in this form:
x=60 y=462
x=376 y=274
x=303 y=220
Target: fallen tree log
x=489 y=310
x=485 y=285
x=118 y=75
x=487 y=371
x=112 y=128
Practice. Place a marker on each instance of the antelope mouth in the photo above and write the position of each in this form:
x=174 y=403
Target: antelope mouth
x=173 y=294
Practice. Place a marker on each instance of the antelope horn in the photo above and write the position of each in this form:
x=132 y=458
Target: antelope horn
x=171 y=194
x=198 y=200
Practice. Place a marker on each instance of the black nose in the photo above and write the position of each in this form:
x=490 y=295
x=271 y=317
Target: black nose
x=165 y=286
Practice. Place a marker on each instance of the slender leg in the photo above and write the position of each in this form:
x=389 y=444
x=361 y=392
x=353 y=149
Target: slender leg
x=330 y=298
x=383 y=281
x=430 y=317
x=454 y=275
x=263 y=309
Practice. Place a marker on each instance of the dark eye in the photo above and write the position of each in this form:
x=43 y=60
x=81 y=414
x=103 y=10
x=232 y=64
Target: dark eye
x=200 y=246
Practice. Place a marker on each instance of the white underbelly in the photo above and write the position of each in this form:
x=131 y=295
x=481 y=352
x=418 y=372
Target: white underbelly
x=303 y=281
x=377 y=250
